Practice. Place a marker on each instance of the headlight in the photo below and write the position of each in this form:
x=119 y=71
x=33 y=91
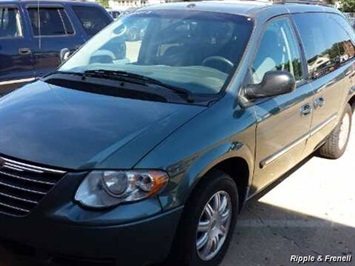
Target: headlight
x=108 y=188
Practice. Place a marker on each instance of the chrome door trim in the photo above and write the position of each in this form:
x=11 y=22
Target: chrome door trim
x=289 y=147
x=322 y=125
x=280 y=153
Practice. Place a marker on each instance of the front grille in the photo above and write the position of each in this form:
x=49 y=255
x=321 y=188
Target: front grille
x=22 y=186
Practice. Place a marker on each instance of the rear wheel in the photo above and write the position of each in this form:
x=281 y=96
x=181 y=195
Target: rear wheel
x=208 y=222
x=336 y=143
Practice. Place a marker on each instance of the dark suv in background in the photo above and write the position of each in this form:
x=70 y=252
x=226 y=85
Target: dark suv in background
x=32 y=33
x=139 y=149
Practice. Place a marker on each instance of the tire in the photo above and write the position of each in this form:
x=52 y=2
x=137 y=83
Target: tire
x=336 y=143
x=184 y=251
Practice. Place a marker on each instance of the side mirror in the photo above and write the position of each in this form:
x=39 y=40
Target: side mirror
x=274 y=83
x=64 y=55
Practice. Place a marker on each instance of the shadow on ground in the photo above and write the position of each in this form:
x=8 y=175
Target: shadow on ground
x=267 y=235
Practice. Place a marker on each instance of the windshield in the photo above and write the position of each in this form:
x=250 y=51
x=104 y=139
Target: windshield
x=193 y=50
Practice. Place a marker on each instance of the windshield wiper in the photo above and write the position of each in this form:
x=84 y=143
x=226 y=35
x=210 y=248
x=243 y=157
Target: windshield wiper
x=127 y=76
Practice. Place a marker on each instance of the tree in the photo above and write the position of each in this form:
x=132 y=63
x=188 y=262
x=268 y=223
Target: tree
x=348 y=5
x=104 y=3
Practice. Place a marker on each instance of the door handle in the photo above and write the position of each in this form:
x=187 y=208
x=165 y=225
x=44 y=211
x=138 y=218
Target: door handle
x=24 y=51
x=319 y=102
x=306 y=109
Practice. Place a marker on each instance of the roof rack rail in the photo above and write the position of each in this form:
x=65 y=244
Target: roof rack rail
x=307 y=2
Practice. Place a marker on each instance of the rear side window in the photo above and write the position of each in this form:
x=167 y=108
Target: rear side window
x=50 y=22
x=346 y=35
x=10 y=25
x=92 y=19
x=325 y=42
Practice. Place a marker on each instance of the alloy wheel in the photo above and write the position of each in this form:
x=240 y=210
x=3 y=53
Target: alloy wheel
x=213 y=226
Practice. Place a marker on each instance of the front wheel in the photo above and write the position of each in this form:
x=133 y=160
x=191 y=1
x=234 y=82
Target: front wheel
x=337 y=141
x=208 y=222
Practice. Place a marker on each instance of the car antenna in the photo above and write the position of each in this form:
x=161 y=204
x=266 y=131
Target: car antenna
x=39 y=26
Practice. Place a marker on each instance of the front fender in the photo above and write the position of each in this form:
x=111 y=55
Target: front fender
x=222 y=131
x=184 y=180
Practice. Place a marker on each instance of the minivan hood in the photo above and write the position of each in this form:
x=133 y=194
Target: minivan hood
x=72 y=129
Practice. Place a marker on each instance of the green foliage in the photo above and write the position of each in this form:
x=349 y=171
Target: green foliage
x=348 y=5
x=104 y=3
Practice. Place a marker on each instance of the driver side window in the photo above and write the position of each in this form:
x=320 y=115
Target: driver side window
x=278 y=50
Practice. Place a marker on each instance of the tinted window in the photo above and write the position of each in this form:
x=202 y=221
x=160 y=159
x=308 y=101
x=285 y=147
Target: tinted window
x=10 y=26
x=345 y=34
x=323 y=39
x=278 y=50
x=67 y=25
x=49 y=22
x=92 y=18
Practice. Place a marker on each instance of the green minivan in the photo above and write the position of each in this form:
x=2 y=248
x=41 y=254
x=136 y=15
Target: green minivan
x=142 y=150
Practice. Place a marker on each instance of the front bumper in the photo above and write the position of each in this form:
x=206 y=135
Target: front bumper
x=139 y=243
x=132 y=234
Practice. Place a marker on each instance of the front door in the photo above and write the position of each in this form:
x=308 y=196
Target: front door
x=283 y=122
x=16 y=60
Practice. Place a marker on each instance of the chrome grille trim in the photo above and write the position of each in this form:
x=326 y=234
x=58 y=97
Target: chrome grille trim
x=28 y=179
x=17 y=198
x=13 y=207
x=32 y=168
x=23 y=186
x=23 y=189
x=15 y=167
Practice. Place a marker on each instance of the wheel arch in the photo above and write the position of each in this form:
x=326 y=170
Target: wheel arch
x=238 y=169
x=239 y=166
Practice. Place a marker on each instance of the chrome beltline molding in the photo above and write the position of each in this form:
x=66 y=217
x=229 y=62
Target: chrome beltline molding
x=283 y=151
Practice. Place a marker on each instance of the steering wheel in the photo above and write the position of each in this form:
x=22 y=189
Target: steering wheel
x=218 y=59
